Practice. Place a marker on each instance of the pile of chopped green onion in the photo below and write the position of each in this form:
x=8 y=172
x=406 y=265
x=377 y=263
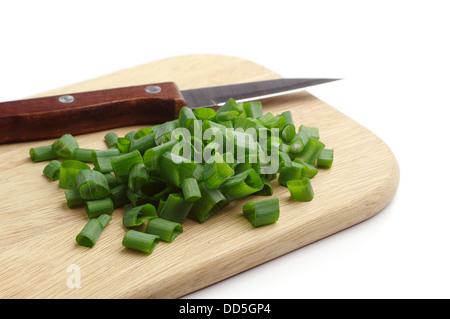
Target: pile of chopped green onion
x=190 y=167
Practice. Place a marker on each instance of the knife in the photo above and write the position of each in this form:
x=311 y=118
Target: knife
x=85 y=112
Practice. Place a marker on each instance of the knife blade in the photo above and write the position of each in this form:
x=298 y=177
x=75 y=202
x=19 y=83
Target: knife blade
x=85 y=112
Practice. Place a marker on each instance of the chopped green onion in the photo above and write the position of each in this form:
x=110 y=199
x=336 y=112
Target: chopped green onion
x=288 y=173
x=204 y=113
x=111 y=139
x=166 y=230
x=263 y=212
x=122 y=164
x=143 y=132
x=312 y=150
x=73 y=198
x=140 y=241
x=191 y=191
x=165 y=129
x=42 y=153
x=176 y=208
x=92 y=231
x=143 y=143
x=310 y=131
x=65 y=146
x=226 y=116
x=136 y=216
x=130 y=135
x=308 y=170
x=301 y=189
x=119 y=196
x=325 y=158
x=267 y=189
x=211 y=201
x=105 y=153
x=82 y=155
x=68 y=173
x=138 y=177
x=152 y=155
x=103 y=164
x=95 y=208
x=123 y=144
x=174 y=168
x=92 y=184
x=230 y=105
x=52 y=169
x=214 y=174
x=288 y=133
x=112 y=181
x=186 y=116
x=242 y=184
x=253 y=109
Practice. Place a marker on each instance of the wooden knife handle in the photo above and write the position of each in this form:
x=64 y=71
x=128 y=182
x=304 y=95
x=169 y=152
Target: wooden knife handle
x=77 y=113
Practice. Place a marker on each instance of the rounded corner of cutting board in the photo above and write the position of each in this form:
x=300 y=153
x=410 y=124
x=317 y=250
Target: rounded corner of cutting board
x=361 y=182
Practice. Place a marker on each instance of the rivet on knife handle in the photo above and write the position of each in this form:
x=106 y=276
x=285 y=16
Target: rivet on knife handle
x=77 y=113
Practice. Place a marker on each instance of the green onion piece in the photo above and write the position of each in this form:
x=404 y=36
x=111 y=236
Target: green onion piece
x=166 y=230
x=65 y=146
x=140 y=241
x=138 y=177
x=288 y=116
x=52 y=169
x=143 y=132
x=137 y=198
x=73 y=198
x=267 y=189
x=205 y=113
x=263 y=212
x=185 y=117
x=123 y=144
x=68 y=173
x=92 y=184
x=174 y=168
x=288 y=133
x=42 y=153
x=136 y=216
x=288 y=173
x=230 y=105
x=92 y=231
x=214 y=174
x=285 y=159
x=111 y=139
x=308 y=170
x=325 y=158
x=242 y=184
x=301 y=189
x=176 y=208
x=312 y=150
x=103 y=164
x=95 y=208
x=122 y=164
x=191 y=191
x=253 y=109
x=143 y=143
x=105 y=153
x=245 y=124
x=152 y=155
x=82 y=155
x=104 y=219
x=310 y=131
x=198 y=173
x=165 y=129
x=226 y=116
x=119 y=195
x=211 y=201
x=112 y=181
x=130 y=135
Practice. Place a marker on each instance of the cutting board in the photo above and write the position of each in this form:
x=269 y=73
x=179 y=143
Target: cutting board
x=39 y=257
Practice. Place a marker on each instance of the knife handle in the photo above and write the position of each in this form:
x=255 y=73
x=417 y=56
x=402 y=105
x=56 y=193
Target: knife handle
x=77 y=113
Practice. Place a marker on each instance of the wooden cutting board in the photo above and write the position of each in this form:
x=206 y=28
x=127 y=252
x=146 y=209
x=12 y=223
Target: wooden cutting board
x=39 y=257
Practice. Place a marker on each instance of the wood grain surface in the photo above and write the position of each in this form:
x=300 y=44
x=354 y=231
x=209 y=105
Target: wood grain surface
x=38 y=252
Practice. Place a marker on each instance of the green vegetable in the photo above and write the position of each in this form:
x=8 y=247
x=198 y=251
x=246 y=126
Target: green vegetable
x=65 y=146
x=52 y=169
x=42 y=153
x=325 y=158
x=92 y=184
x=263 y=212
x=301 y=189
x=140 y=241
x=98 y=207
x=166 y=230
x=68 y=173
x=136 y=216
x=92 y=231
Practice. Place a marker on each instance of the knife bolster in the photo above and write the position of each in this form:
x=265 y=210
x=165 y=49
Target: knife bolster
x=78 y=113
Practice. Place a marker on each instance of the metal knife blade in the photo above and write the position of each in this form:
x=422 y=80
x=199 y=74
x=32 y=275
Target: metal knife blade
x=217 y=95
x=85 y=112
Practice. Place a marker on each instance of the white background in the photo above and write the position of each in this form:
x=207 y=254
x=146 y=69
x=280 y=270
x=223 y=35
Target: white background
x=394 y=58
